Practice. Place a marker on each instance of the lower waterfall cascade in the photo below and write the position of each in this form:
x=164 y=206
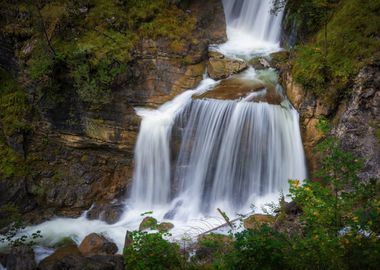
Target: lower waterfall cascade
x=193 y=156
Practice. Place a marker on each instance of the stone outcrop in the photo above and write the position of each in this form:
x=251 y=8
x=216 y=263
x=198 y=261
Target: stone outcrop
x=96 y=244
x=219 y=66
x=311 y=111
x=109 y=213
x=355 y=120
x=95 y=252
x=77 y=262
x=358 y=121
x=21 y=258
x=239 y=87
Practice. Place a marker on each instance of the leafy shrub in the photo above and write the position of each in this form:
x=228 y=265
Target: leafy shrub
x=151 y=251
x=261 y=248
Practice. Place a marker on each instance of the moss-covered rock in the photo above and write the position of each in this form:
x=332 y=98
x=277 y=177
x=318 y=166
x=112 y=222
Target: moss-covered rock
x=165 y=227
x=256 y=220
x=148 y=223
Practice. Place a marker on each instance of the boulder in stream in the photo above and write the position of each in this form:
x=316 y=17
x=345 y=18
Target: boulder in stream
x=148 y=223
x=21 y=258
x=220 y=67
x=96 y=244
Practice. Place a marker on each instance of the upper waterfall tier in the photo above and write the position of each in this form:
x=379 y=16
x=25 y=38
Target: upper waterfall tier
x=254 y=18
x=251 y=28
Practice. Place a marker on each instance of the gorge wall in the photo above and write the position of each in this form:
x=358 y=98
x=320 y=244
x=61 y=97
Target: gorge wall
x=76 y=155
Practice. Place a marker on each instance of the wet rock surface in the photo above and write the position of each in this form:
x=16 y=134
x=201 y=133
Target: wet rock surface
x=109 y=213
x=219 y=66
x=77 y=262
x=95 y=252
x=96 y=244
x=21 y=258
x=244 y=86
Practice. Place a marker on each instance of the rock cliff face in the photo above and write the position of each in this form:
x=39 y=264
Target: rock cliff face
x=358 y=123
x=78 y=156
x=355 y=120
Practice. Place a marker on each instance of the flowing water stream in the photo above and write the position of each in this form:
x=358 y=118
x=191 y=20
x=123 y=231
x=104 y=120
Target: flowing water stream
x=196 y=155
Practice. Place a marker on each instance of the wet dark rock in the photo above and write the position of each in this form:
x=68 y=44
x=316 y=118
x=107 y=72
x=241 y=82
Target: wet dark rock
x=60 y=253
x=109 y=213
x=128 y=239
x=64 y=242
x=77 y=262
x=96 y=244
x=291 y=208
x=21 y=258
x=3 y=259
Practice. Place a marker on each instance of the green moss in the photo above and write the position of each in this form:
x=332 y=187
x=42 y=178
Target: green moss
x=9 y=213
x=351 y=43
x=377 y=134
x=93 y=41
x=11 y=163
x=13 y=109
x=13 y=105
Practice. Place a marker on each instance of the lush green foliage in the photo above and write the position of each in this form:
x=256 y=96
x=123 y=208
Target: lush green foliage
x=151 y=251
x=90 y=42
x=342 y=38
x=261 y=248
x=307 y=16
x=338 y=227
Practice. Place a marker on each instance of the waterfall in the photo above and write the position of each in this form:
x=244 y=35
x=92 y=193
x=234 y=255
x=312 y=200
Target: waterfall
x=195 y=155
x=254 y=18
x=151 y=181
x=233 y=152
x=251 y=28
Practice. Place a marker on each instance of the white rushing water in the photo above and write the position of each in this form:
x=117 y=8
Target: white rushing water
x=194 y=156
x=251 y=28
